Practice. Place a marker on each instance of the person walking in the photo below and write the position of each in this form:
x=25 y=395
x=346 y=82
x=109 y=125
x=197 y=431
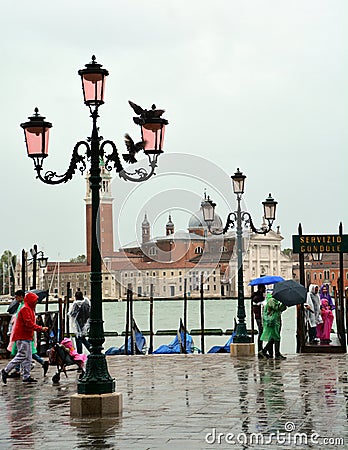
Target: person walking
x=23 y=335
x=12 y=347
x=258 y=298
x=79 y=313
x=325 y=294
x=324 y=328
x=271 y=328
x=312 y=313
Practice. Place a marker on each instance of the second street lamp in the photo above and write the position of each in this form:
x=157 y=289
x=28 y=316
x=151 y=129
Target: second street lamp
x=235 y=220
x=97 y=379
x=37 y=257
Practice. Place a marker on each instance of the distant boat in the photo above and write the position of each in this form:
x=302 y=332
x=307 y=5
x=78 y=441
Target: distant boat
x=139 y=344
x=178 y=343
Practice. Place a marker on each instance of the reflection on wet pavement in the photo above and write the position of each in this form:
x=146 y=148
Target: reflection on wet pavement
x=184 y=402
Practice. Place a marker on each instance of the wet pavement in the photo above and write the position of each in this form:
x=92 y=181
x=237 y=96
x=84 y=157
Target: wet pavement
x=189 y=402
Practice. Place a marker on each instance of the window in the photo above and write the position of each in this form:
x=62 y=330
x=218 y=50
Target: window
x=223 y=249
x=333 y=276
x=315 y=276
x=198 y=250
x=179 y=272
x=172 y=273
x=164 y=289
x=153 y=251
x=164 y=274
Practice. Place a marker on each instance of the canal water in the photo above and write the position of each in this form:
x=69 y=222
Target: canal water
x=218 y=314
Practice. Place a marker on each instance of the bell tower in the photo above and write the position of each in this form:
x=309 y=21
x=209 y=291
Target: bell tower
x=106 y=244
x=145 y=230
x=169 y=226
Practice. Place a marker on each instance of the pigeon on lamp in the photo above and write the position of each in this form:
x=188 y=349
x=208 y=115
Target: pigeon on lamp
x=145 y=113
x=132 y=149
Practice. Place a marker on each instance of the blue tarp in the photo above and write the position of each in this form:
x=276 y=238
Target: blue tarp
x=223 y=348
x=177 y=345
x=139 y=344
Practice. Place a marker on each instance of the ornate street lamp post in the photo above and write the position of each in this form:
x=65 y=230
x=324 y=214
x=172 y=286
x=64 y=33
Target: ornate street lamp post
x=37 y=257
x=97 y=379
x=235 y=220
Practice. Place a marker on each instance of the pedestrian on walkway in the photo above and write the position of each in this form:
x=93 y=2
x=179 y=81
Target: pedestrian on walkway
x=271 y=328
x=258 y=298
x=12 y=347
x=312 y=313
x=79 y=312
x=324 y=328
x=23 y=335
x=324 y=293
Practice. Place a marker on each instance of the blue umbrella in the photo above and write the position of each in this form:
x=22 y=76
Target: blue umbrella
x=268 y=279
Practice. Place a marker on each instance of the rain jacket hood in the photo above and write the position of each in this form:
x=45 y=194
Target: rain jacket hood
x=30 y=300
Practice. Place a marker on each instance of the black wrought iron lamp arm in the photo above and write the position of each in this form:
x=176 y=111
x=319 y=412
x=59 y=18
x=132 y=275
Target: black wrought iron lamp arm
x=246 y=218
x=77 y=160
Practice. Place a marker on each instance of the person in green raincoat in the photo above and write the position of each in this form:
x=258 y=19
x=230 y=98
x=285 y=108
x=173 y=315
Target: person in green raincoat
x=271 y=328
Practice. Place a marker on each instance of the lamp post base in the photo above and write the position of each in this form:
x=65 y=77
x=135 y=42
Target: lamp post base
x=96 y=405
x=237 y=349
x=241 y=336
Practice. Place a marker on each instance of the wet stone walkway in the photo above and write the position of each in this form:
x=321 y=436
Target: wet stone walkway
x=189 y=402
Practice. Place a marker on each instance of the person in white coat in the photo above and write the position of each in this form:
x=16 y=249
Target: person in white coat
x=79 y=313
x=312 y=313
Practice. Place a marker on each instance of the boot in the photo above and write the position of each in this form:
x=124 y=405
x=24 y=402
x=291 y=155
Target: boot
x=278 y=355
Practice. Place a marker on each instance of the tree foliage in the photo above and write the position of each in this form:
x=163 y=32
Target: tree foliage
x=287 y=252
x=79 y=259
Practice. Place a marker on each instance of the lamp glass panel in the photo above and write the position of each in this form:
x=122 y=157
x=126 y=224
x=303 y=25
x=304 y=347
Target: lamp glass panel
x=208 y=211
x=238 y=185
x=37 y=140
x=153 y=135
x=93 y=87
x=269 y=210
x=43 y=262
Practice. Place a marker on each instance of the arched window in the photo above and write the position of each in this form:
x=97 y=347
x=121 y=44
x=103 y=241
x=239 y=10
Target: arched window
x=223 y=249
x=198 y=250
x=153 y=251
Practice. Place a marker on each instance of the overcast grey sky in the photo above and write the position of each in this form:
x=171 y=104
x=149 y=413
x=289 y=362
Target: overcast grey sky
x=260 y=85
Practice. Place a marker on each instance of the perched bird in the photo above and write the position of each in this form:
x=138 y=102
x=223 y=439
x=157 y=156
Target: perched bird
x=145 y=113
x=132 y=149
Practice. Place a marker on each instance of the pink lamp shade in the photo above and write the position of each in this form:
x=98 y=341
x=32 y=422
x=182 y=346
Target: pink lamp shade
x=36 y=133
x=93 y=83
x=153 y=135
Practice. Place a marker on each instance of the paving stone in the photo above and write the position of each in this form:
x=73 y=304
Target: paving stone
x=177 y=401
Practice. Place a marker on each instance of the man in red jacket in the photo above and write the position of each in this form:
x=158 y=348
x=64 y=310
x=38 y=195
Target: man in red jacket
x=23 y=334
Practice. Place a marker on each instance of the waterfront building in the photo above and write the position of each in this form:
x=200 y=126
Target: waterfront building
x=168 y=261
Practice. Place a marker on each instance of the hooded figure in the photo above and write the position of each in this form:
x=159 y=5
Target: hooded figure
x=324 y=293
x=324 y=328
x=312 y=313
x=23 y=335
x=79 y=313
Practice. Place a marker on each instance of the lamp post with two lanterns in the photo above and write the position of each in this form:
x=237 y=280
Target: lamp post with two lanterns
x=235 y=219
x=97 y=379
x=37 y=257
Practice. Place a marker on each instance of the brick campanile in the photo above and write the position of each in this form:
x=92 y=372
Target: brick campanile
x=106 y=244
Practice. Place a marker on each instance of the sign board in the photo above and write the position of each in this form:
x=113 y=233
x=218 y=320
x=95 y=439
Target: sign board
x=320 y=243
